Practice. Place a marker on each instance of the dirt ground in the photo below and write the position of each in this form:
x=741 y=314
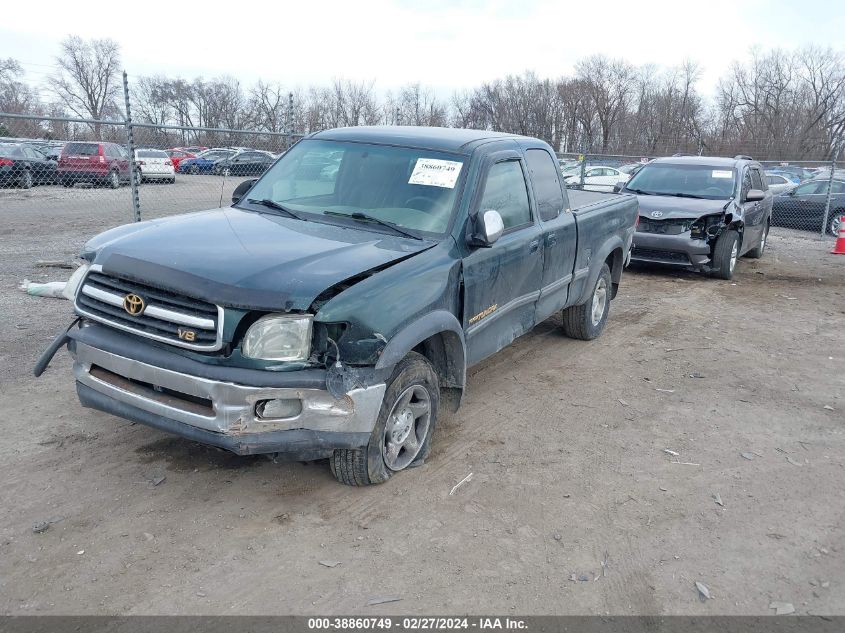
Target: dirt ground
x=575 y=504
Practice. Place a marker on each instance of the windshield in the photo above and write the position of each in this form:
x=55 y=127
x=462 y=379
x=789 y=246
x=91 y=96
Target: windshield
x=410 y=188
x=699 y=181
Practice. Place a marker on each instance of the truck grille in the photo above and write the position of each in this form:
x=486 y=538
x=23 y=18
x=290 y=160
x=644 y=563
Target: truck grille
x=664 y=227
x=161 y=315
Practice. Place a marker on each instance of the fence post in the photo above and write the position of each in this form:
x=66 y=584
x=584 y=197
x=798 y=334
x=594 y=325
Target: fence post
x=583 y=158
x=834 y=155
x=130 y=141
x=289 y=126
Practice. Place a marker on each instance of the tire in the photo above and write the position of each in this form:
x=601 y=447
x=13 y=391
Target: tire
x=414 y=382
x=25 y=181
x=172 y=181
x=757 y=251
x=587 y=320
x=194 y=170
x=725 y=254
x=226 y=172
x=67 y=182
x=114 y=180
x=833 y=225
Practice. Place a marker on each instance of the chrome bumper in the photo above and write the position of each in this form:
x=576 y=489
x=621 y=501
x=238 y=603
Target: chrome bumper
x=216 y=406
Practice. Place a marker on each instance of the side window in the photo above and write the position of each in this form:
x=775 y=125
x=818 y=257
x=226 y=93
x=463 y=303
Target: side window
x=757 y=181
x=541 y=166
x=506 y=193
x=807 y=189
x=746 y=183
x=837 y=186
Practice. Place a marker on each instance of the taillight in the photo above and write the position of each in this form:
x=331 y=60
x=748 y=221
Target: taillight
x=100 y=152
x=5 y=162
x=102 y=159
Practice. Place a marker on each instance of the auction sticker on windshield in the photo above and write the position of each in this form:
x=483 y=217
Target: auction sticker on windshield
x=436 y=173
x=722 y=173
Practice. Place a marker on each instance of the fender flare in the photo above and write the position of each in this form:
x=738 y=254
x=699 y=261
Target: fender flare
x=609 y=245
x=436 y=322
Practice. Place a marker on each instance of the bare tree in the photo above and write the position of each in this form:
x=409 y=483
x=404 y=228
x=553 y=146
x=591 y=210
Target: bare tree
x=87 y=82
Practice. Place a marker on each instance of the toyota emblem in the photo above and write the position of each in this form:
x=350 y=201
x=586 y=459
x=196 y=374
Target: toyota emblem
x=657 y=214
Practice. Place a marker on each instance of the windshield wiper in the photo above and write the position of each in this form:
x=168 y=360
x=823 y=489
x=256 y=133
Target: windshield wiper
x=272 y=204
x=365 y=217
x=641 y=192
x=686 y=195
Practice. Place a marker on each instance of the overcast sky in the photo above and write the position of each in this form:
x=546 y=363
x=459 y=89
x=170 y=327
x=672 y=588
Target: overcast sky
x=440 y=43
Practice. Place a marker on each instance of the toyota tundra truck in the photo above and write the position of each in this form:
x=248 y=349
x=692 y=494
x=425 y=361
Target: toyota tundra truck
x=333 y=309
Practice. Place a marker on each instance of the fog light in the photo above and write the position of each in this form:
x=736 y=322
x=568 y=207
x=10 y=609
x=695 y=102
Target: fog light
x=278 y=408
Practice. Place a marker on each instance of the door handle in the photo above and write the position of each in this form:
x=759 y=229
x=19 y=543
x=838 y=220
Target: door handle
x=533 y=245
x=551 y=239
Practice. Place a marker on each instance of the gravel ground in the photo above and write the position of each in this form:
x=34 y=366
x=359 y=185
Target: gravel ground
x=575 y=506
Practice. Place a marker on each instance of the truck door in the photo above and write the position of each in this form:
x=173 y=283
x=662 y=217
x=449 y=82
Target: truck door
x=558 y=237
x=502 y=282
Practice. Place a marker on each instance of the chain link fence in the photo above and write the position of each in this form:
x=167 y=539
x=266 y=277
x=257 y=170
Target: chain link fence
x=807 y=195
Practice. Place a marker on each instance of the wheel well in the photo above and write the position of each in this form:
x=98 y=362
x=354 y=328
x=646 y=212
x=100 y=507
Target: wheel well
x=615 y=262
x=445 y=353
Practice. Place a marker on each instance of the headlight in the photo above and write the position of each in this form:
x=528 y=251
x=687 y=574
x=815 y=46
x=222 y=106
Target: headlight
x=279 y=337
x=72 y=285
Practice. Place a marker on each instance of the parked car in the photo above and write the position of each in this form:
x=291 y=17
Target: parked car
x=248 y=163
x=203 y=163
x=178 y=155
x=51 y=149
x=701 y=213
x=596 y=178
x=334 y=319
x=778 y=183
x=804 y=206
x=95 y=163
x=795 y=173
x=23 y=166
x=154 y=164
x=193 y=149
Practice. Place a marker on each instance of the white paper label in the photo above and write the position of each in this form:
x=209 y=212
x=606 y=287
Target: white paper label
x=722 y=173
x=436 y=173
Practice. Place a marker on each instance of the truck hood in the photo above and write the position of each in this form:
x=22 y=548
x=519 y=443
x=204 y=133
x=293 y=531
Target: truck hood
x=243 y=259
x=672 y=208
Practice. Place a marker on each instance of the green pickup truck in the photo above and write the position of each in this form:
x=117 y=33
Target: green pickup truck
x=333 y=309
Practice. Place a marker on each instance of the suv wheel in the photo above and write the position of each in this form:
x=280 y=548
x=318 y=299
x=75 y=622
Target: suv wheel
x=114 y=180
x=586 y=321
x=757 y=251
x=403 y=430
x=725 y=254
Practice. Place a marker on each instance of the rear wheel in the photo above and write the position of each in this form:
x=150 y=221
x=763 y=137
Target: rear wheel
x=226 y=172
x=195 y=170
x=67 y=182
x=25 y=180
x=757 y=251
x=114 y=180
x=403 y=430
x=587 y=320
x=725 y=254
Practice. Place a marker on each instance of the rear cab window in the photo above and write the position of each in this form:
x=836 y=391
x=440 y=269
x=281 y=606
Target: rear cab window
x=82 y=149
x=544 y=176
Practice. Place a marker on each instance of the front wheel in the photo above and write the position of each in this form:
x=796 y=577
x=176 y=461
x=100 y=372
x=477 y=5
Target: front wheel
x=226 y=172
x=403 y=430
x=194 y=170
x=836 y=222
x=725 y=254
x=587 y=320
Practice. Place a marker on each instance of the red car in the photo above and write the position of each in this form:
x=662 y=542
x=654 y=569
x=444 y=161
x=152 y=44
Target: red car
x=178 y=154
x=96 y=163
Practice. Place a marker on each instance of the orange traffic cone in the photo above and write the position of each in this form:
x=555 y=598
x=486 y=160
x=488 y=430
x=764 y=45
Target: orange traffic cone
x=839 y=247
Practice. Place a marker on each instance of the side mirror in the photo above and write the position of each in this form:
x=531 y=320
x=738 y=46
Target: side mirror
x=619 y=186
x=755 y=195
x=241 y=189
x=488 y=228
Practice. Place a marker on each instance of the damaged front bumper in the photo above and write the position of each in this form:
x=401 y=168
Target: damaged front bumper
x=673 y=250
x=219 y=405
